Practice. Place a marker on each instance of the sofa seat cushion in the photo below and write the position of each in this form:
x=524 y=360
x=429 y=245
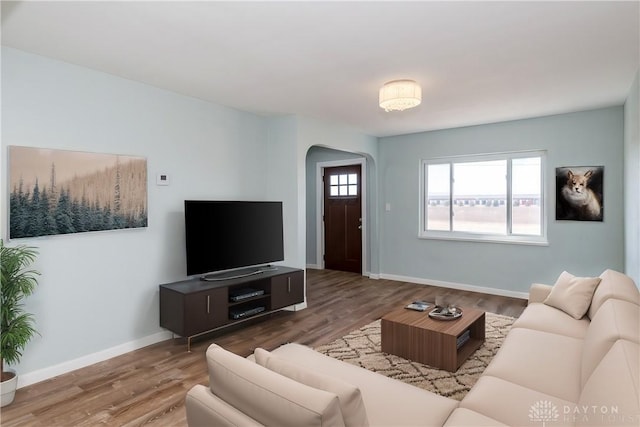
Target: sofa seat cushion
x=467 y=418
x=616 y=319
x=349 y=396
x=512 y=404
x=388 y=402
x=266 y=396
x=614 y=285
x=572 y=294
x=542 y=317
x=611 y=395
x=537 y=360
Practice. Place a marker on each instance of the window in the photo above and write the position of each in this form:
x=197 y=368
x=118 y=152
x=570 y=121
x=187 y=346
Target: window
x=345 y=185
x=490 y=198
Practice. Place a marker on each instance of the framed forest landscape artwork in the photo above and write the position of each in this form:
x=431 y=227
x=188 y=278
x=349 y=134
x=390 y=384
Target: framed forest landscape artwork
x=60 y=192
x=579 y=193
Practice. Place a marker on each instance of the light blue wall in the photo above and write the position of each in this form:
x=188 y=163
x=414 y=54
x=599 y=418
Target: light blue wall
x=283 y=183
x=583 y=248
x=632 y=181
x=290 y=138
x=313 y=133
x=98 y=292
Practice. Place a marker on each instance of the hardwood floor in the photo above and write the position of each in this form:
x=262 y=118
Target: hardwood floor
x=148 y=386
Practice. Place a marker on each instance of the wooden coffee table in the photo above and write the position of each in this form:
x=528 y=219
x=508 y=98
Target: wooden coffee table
x=416 y=336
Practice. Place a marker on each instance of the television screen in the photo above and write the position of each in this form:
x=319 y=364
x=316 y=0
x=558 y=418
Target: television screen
x=223 y=235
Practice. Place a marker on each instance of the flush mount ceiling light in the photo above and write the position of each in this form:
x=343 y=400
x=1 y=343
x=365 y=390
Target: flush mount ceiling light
x=399 y=95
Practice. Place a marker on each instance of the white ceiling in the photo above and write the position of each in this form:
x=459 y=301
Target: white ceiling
x=478 y=62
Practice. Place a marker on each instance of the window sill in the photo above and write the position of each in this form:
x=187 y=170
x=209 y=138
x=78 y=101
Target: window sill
x=485 y=238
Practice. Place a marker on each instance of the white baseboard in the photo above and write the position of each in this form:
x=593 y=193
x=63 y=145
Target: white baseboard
x=458 y=286
x=25 y=379
x=314 y=267
x=372 y=276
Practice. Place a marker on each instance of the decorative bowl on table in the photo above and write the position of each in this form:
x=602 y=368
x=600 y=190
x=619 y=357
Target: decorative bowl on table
x=445 y=313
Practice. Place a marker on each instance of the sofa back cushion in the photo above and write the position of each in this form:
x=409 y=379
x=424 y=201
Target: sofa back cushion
x=349 y=396
x=610 y=397
x=616 y=319
x=206 y=409
x=266 y=396
x=613 y=285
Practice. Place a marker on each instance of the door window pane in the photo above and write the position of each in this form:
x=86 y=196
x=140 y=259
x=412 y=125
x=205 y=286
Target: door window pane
x=345 y=185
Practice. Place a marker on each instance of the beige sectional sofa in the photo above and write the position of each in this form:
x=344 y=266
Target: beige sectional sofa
x=553 y=370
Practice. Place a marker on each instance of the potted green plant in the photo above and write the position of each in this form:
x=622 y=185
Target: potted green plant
x=18 y=282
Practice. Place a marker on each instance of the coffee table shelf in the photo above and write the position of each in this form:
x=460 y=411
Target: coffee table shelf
x=415 y=336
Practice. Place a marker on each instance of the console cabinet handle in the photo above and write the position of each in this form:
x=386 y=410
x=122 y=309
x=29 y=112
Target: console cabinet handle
x=289 y=284
x=208 y=304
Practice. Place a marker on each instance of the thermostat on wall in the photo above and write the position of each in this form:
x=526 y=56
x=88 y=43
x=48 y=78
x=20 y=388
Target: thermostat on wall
x=162 y=179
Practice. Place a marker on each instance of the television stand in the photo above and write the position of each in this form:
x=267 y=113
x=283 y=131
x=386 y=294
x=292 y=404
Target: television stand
x=195 y=307
x=237 y=274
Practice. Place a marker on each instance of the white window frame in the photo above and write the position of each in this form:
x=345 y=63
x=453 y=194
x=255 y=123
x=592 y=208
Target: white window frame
x=540 y=240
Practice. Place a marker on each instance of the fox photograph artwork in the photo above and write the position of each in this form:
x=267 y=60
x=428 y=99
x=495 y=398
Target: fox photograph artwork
x=579 y=193
x=62 y=192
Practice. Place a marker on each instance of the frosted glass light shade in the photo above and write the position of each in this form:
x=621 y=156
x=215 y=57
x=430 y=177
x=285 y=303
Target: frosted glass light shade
x=400 y=95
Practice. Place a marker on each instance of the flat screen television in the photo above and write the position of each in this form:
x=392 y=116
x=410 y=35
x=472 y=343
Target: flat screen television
x=226 y=235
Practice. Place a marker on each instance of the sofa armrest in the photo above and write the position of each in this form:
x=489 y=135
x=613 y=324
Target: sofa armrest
x=539 y=292
x=206 y=409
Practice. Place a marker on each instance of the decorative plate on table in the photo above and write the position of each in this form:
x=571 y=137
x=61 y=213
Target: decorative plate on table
x=445 y=313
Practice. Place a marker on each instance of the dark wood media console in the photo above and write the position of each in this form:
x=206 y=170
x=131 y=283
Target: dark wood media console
x=194 y=307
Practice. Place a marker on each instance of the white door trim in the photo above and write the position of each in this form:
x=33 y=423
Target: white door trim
x=320 y=166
